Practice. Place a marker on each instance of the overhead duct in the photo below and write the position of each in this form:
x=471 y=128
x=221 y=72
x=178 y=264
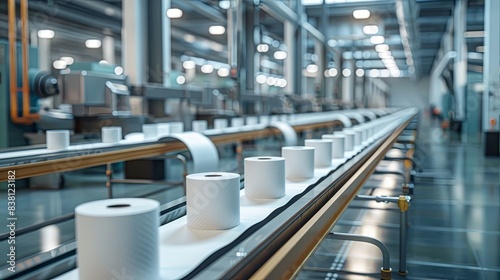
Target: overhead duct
x=406 y=12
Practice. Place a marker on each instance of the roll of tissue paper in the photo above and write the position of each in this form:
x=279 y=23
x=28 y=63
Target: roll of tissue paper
x=338 y=143
x=57 y=139
x=299 y=162
x=199 y=125
x=213 y=200
x=111 y=134
x=265 y=177
x=322 y=151
x=118 y=237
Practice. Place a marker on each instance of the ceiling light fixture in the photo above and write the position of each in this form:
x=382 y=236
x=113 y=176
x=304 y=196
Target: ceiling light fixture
x=223 y=72
x=333 y=72
x=59 y=64
x=361 y=14
x=382 y=48
x=68 y=59
x=180 y=80
x=360 y=72
x=93 y=43
x=346 y=72
x=46 y=34
x=174 y=13
x=188 y=64
x=207 y=68
x=262 y=48
x=225 y=4
x=216 y=30
x=378 y=39
x=370 y=29
x=261 y=79
x=312 y=68
x=280 y=55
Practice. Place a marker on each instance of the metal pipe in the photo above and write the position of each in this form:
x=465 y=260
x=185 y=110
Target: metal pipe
x=109 y=179
x=386 y=259
x=402 y=243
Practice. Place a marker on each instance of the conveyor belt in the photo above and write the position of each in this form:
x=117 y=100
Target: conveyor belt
x=333 y=191
x=30 y=163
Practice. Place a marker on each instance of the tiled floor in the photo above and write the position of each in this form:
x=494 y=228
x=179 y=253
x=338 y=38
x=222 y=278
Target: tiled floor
x=454 y=220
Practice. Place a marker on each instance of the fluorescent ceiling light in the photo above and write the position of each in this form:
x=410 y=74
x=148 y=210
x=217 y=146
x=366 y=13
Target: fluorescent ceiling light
x=223 y=72
x=282 y=83
x=93 y=43
x=474 y=34
x=102 y=61
x=333 y=72
x=346 y=72
x=216 y=30
x=361 y=14
x=46 y=34
x=312 y=2
x=207 y=68
x=68 y=59
x=188 y=64
x=377 y=39
x=262 y=48
x=382 y=48
x=59 y=64
x=270 y=81
x=360 y=72
x=189 y=38
x=386 y=54
x=312 y=68
x=225 y=4
x=374 y=73
x=261 y=79
x=180 y=80
x=118 y=70
x=385 y=73
x=280 y=55
x=174 y=13
x=395 y=73
x=370 y=29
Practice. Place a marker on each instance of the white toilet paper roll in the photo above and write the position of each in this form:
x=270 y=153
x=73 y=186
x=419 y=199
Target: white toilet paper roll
x=199 y=125
x=322 y=151
x=299 y=162
x=57 y=139
x=111 y=134
x=220 y=123
x=265 y=177
x=213 y=200
x=349 y=140
x=176 y=127
x=163 y=129
x=150 y=131
x=338 y=144
x=357 y=136
x=237 y=122
x=118 y=237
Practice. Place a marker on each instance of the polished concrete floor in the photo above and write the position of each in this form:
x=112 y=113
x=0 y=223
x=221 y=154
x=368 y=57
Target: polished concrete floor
x=454 y=222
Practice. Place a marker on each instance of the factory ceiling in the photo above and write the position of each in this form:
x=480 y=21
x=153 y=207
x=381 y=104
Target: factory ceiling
x=427 y=22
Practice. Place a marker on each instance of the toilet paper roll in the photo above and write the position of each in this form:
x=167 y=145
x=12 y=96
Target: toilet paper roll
x=299 y=162
x=199 y=125
x=349 y=140
x=213 y=200
x=357 y=137
x=150 y=131
x=111 y=134
x=265 y=177
x=322 y=151
x=176 y=127
x=202 y=150
x=237 y=122
x=220 y=123
x=57 y=139
x=163 y=129
x=338 y=144
x=118 y=237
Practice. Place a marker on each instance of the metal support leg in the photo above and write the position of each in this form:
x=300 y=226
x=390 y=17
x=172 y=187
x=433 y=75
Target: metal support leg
x=403 y=202
x=109 y=181
x=385 y=271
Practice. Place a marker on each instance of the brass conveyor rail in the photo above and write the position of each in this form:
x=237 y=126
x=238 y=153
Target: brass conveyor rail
x=85 y=161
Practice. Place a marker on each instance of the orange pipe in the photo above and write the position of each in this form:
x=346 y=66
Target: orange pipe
x=13 y=68
x=24 y=46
